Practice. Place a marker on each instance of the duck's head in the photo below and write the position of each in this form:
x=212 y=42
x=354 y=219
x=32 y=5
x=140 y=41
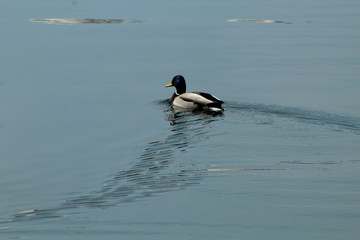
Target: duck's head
x=179 y=83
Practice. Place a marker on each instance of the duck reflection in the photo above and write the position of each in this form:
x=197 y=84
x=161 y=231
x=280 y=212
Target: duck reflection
x=156 y=170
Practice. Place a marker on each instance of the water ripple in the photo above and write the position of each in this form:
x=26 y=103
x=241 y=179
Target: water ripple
x=300 y=115
x=154 y=172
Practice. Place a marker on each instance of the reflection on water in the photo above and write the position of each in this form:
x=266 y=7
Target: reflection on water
x=107 y=20
x=156 y=170
x=257 y=20
x=86 y=20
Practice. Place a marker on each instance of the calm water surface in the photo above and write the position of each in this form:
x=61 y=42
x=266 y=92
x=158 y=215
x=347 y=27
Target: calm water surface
x=90 y=148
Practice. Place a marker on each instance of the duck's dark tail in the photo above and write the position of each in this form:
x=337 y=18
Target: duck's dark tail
x=215 y=107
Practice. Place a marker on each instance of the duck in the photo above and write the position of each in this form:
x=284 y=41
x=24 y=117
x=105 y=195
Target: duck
x=192 y=100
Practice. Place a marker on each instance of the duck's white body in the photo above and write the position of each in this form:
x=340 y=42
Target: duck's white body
x=179 y=101
x=193 y=100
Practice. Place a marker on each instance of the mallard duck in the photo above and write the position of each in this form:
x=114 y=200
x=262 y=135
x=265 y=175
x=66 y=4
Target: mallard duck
x=192 y=100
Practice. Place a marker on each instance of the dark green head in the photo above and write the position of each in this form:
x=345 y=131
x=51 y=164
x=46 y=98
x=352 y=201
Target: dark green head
x=179 y=83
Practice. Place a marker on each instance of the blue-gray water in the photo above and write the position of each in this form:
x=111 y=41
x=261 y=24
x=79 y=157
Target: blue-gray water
x=90 y=148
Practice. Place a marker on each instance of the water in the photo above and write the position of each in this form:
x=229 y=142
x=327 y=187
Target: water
x=91 y=149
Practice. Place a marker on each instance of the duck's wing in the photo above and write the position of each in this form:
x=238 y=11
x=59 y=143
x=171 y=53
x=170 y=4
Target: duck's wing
x=210 y=97
x=199 y=98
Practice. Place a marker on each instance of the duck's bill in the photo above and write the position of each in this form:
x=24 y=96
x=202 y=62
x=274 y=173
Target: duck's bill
x=169 y=85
